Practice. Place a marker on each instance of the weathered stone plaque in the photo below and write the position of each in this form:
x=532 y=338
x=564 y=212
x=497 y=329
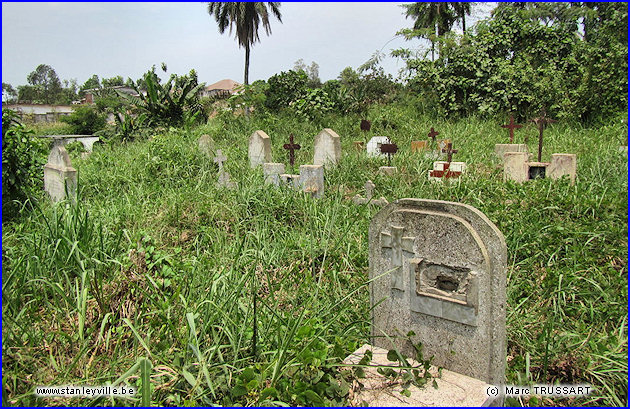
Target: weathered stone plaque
x=327 y=147
x=206 y=145
x=439 y=270
x=259 y=151
x=60 y=178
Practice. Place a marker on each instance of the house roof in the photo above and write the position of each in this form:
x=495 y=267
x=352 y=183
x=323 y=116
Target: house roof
x=226 y=84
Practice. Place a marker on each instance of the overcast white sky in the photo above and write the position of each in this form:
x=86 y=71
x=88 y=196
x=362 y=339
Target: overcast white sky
x=108 y=39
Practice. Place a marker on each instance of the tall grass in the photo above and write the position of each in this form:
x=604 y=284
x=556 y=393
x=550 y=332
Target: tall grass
x=200 y=295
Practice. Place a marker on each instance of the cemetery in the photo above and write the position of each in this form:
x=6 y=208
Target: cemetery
x=394 y=253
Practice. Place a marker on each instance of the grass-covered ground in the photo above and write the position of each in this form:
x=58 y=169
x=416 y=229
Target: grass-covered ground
x=157 y=276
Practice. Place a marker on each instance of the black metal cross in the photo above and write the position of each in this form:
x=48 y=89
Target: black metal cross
x=389 y=149
x=541 y=122
x=366 y=125
x=291 y=147
x=433 y=134
x=512 y=126
x=449 y=151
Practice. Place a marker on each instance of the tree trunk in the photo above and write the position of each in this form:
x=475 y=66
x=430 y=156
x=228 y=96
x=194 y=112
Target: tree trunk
x=246 y=81
x=464 y=23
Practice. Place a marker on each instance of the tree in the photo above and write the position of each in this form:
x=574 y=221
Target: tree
x=312 y=72
x=461 y=10
x=46 y=82
x=246 y=17
x=113 y=81
x=433 y=19
x=92 y=83
x=9 y=94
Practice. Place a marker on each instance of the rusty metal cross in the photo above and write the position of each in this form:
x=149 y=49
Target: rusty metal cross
x=542 y=121
x=433 y=134
x=449 y=151
x=366 y=125
x=512 y=126
x=291 y=147
x=389 y=149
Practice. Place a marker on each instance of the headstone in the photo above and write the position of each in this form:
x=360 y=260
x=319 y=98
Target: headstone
x=60 y=178
x=515 y=166
x=259 y=151
x=388 y=170
x=312 y=180
x=272 y=172
x=442 y=144
x=369 y=189
x=206 y=145
x=439 y=269
x=501 y=148
x=563 y=164
x=224 y=177
x=327 y=147
x=373 y=148
x=446 y=170
x=419 y=146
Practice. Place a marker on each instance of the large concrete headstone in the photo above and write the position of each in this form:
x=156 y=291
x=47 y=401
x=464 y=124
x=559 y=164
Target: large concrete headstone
x=501 y=148
x=259 y=151
x=272 y=172
x=563 y=164
x=312 y=180
x=327 y=147
x=439 y=269
x=374 y=146
x=60 y=178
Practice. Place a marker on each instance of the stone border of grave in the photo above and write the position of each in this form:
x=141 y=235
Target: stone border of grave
x=87 y=141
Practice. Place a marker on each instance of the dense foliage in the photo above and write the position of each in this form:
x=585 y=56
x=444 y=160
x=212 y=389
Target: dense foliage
x=85 y=120
x=516 y=62
x=22 y=159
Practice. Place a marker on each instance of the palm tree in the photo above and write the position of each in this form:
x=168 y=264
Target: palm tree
x=246 y=17
x=434 y=16
x=462 y=9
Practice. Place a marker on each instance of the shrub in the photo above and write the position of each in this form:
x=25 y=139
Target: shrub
x=85 y=120
x=22 y=159
x=285 y=88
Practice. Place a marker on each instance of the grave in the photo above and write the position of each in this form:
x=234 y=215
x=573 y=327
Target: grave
x=388 y=149
x=272 y=172
x=291 y=147
x=327 y=147
x=206 y=145
x=438 y=270
x=60 y=178
x=501 y=148
x=224 y=177
x=373 y=147
x=310 y=180
x=86 y=140
x=447 y=169
x=517 y=167
x=259 y=151
x=419 y=146
x=369 y=189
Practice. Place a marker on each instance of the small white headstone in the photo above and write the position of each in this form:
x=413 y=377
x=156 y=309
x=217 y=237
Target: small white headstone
x=373 y=148
x=259 y=149
x=327 y=147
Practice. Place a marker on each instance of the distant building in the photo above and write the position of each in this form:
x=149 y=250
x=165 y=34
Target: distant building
x=221 y=89
x=40 y=112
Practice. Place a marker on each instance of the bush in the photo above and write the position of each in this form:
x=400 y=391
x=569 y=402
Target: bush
x=285 y=88
x=22 y=159
x=85 y=120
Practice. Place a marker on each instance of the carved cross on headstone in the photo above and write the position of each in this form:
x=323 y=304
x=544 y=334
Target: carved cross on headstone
x=433 y=134
x=449 y=151
x=399 y=247
x=291 y=147
x=512 y=126
x=389 y=149
x=541 y=122
x=219 y=159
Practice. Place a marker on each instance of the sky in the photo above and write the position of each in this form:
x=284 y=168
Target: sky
x=107 y=39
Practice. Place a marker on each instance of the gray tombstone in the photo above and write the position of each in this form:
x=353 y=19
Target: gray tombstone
x=312 y=180
x=259 y=151
x=224 y=177
x=60 y=178
x=327 y=147
x=369 y=189
x=272 y=172
x=439 y=270
x=206 y=145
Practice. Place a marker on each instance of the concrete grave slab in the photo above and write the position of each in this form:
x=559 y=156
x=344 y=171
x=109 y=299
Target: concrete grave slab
x=327 y=147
